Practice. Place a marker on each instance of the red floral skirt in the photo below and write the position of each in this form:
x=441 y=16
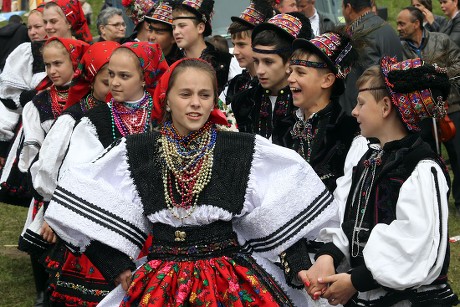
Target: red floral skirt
x=220 y=281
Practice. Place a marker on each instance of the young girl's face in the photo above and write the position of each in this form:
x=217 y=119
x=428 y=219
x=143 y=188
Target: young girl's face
x=101 y=83
x=36 y=27
x=126 y=83
x=185 y=32
x=55 y=23
x=307 y=83
x=58 y=64
x=191 y=100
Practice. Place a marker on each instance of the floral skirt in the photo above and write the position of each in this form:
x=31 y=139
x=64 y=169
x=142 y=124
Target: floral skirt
x=220 y=281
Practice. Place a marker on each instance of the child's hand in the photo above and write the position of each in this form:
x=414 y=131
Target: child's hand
x=124 y=279
x=340 y=289
x=324 y=266
x=47 y=233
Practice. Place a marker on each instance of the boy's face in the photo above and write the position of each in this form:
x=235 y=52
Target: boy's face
x=242 y=50
x=368 y=112
x=185 y=32
x=162 y=35
x=308 y=84
x=270 y=69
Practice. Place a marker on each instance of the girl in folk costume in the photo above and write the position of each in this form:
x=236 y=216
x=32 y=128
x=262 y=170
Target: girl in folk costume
x=208 y=198
x=134 y=69
x=24 y=69
x=90 y=86
x=323 y=133
x=65 y=18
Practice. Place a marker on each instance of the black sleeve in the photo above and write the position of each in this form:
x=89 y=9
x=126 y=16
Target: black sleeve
x=362 y=279
x=27 y=96
x=294 y=260
x=333 y=251
x=110 y=261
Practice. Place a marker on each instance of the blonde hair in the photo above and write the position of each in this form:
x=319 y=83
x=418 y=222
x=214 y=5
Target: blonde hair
x=373 y=75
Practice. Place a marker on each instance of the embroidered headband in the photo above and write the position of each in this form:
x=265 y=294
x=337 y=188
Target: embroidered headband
x=308 y=63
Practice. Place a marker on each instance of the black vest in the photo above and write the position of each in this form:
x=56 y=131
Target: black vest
x=233 y=154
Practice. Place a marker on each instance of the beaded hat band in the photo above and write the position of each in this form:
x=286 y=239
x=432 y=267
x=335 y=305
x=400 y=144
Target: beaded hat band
x=250 y=16
x=308 y=63
x=419 y=103
x=162 y=13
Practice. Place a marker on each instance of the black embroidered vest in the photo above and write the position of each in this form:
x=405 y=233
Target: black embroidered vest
x=398 y=162
x=233 y=154
x=101 y=118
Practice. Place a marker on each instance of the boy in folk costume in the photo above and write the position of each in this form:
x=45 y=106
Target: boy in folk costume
x=191 y=24
x=394 y=229
x=241 y=30
x=267 y=109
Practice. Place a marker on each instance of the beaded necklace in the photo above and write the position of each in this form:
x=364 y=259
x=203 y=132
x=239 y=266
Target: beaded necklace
x=363 y=193
x=265 y=115
x=131 y=119
x=303 y=130
x=58 y=99
x=188 y=166
x=89 y=102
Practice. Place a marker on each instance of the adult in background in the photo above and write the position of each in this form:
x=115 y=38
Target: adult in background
x=431 y=22
x=319 y=23
x=11 y=36
x=434 y=47
x=381 y=37
x=452 y=28
x=110 y=25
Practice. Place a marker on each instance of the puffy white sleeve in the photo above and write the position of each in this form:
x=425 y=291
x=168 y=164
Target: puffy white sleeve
x=410 y=251
x=99 y=201
x=8 y=123
x=17 y=75
x=84 y=145
x=33 y=136
x=285 y=201
x=45 y=170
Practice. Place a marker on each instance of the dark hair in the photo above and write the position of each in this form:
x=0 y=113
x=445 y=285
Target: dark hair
x=415 y=14
x=15 y=19
x=426 y=3
x=219 y=42
x=358 y=5
x=195 y=64
x=271 y=38
x=237 y=27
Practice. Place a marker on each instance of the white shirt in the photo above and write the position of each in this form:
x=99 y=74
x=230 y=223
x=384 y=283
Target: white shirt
x=314 y=21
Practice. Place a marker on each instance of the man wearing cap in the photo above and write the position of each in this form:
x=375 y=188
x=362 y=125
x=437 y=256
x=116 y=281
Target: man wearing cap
x=435 y=47
x=381 y=37
x=267 y=109
x=394 y=230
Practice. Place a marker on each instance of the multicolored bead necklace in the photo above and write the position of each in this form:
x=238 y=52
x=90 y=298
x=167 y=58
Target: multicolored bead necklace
x=188 y=166
x=132 y=119
x=89 y=102
x=58 y=99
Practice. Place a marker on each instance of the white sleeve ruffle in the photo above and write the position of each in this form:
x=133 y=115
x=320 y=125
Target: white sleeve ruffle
x=44 y=171
x=17 y=75
x=99 y=201
x=84 y=145
x=410 y=251
x=285 y=201
x=33 y=136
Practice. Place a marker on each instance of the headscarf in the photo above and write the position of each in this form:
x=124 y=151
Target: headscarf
x=159 y=99
x=92 y=61
x=74 y=14
x=75 y=48
x=153 y=62
x=417 y=89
